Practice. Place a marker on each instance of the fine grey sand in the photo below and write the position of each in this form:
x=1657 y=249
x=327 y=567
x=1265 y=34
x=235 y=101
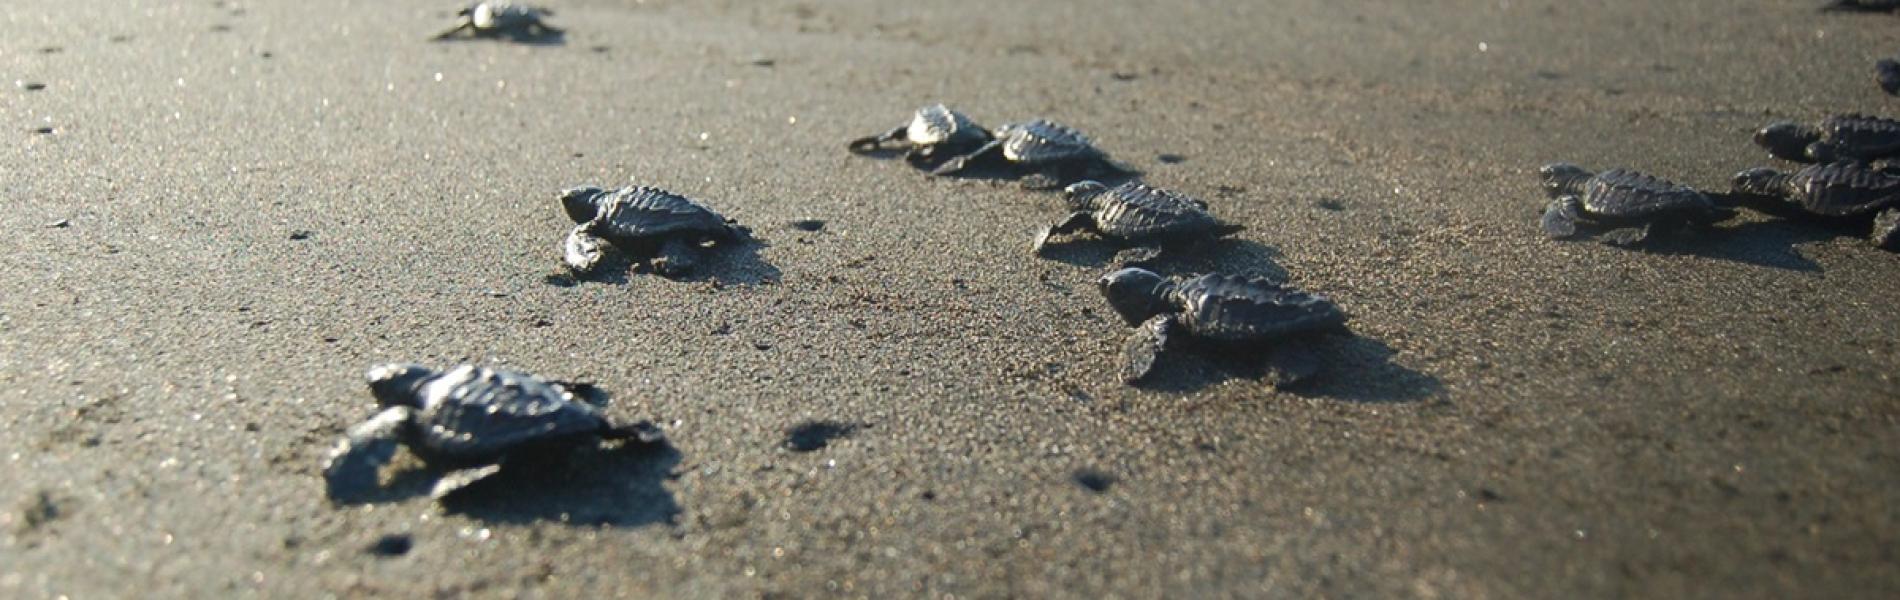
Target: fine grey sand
x=257 y=201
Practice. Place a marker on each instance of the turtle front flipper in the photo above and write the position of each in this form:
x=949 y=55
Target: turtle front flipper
x=675 y=257
x=352 y=471
x=1886 y=234
x=583 y=251
x=460 y=479
x=1076 y=221
x=866 y=145
x=1144 y=348
x=1290 y=364
x=958 y=164
x=1561 y=216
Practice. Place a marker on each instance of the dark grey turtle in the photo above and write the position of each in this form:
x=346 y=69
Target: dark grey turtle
x=1240 y=313
x=932 y=130
x=1052 y=153
x=1846 y=192
x=469 y=419
x=500 y=18
x=665 y=229
x=1148 y=219
x=1838 y=137
x=1630 y=204
x=1887 y=74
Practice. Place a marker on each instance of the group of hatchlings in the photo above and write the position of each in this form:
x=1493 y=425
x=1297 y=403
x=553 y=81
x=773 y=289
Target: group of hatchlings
x=473 y=419
x=1851 y=179
x=1846 y=182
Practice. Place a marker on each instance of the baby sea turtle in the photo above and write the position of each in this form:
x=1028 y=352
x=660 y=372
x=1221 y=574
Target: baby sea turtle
x=499 y=18
x=469 y=419
x=1838 y=137
x=1241 y=313
x=665 y=229
x=1631 y=204
x=1053 y=153
x=1138 y=215
x=932 y=129
x=1847 y=192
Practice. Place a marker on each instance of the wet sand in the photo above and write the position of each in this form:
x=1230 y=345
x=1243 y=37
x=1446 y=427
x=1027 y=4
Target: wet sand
x=258 y=201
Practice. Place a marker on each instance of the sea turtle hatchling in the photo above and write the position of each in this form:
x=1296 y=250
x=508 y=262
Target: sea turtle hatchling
x=1052 y=153
x=665 y=229
x=1837 y=137
x=1246 y=314
x=1847 y=192
x=932 y=130
x=1138 y=215
x=499 y=18
x=468 y=419
x=1629 y=203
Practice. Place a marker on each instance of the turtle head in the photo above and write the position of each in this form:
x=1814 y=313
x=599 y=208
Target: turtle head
x=1081 y=195
x=1785 y=140
x=1759 y=181
x=398 y=384
x=1562 y=178
x=581 y=203
x=1137 y=294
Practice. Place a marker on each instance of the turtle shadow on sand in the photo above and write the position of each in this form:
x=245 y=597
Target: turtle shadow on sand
x=1769 y=243
x=734 y=262
x=596 y=485
x=1357 y=369
x=525 y=38
x=620 y=485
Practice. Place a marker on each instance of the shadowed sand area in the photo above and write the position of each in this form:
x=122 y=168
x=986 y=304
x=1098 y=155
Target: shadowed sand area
x=261 y=199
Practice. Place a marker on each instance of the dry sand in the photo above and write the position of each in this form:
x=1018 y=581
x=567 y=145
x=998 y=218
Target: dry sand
x=261 y=200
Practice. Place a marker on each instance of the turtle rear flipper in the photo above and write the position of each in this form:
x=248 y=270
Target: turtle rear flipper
x=641 y=432
x=1886 y=234
x=1290 y=364
x=1046 y=179
x=675 y=257
x=1139 y=256
x=583 y=250
x=354 y=465
x=464 y=23
x=1145 y=347
x=865 y=145
x=959 y=163
x=1561 y=216
x=1626 y=236
x=461 y=479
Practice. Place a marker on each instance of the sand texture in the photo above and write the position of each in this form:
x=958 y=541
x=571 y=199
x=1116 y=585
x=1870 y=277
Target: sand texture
x=242 y=206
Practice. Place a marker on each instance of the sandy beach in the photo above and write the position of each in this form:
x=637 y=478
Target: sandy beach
x=219 y=214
